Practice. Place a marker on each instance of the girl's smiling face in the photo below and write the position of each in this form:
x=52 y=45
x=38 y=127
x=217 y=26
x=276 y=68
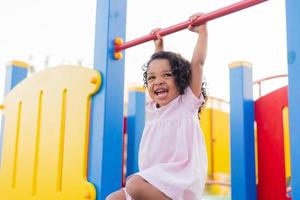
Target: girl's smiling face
x=161 y=82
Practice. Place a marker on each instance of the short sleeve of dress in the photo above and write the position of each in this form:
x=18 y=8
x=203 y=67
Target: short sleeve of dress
x=191 y=101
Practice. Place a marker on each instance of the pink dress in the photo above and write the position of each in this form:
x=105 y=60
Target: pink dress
x=172 y=154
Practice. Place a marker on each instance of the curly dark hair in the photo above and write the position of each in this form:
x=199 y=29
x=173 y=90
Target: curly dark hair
x=205 y=96
x=181 y=69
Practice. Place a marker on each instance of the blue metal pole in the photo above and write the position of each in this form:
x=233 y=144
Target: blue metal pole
x=105 y=153
x=243 y=179
x=16 y=71
x=135 y=126
x=293 y=48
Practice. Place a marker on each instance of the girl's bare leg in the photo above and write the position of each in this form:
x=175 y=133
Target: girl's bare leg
x=139 y=189
x=118 y=195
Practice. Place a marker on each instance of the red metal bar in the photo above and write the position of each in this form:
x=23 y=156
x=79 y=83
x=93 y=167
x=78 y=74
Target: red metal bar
x=204 y=18
x=266 y=79
x=269 y=78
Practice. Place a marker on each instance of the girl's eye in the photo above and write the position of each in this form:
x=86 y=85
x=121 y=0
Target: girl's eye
x=149 y=78
x=167 y=75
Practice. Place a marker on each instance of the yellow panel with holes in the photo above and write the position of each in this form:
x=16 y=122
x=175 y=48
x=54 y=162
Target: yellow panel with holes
x=46 y=134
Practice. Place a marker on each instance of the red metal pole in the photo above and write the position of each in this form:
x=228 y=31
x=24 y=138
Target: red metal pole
x=204 y=18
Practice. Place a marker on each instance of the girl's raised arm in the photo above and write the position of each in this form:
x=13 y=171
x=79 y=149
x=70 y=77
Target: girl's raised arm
x=199 y=56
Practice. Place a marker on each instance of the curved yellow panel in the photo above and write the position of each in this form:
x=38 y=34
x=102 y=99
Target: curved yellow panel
x=46 y=134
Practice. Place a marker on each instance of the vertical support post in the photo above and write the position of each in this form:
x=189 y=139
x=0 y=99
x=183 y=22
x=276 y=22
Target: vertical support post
x=16 y=71
x=293 y=47
x=243 y=180
x=135 y=126
x=105 y=148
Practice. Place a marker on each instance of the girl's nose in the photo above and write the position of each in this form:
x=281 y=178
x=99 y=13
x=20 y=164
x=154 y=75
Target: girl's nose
x=158 y=81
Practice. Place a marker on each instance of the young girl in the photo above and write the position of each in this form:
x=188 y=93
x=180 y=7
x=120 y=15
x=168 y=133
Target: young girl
x=172 y=155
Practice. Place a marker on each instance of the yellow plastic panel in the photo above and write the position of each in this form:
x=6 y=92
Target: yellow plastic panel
x=215 y=126
x=221 y=141
x=46 y=133
x=286 y=133
x=205 y=123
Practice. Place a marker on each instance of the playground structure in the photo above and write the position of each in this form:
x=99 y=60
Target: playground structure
x=98 y=121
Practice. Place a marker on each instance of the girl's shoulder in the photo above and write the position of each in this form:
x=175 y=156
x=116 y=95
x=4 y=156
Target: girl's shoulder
x=190 y=98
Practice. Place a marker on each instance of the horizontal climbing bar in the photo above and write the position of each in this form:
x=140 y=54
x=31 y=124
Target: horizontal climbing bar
x=204 y=18
x=270 y=78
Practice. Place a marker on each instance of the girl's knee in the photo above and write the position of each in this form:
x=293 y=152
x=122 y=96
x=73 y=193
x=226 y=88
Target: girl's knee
x=134 y=186
x=118 y=195
x=110 y=197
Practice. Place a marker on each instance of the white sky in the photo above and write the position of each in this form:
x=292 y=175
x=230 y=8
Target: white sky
x=31 y=30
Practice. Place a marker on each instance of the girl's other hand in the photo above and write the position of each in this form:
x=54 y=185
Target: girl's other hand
x=158 y=42
x=197 y=29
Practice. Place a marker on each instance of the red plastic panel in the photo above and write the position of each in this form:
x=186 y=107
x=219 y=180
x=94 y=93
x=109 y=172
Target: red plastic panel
x=270 y=145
